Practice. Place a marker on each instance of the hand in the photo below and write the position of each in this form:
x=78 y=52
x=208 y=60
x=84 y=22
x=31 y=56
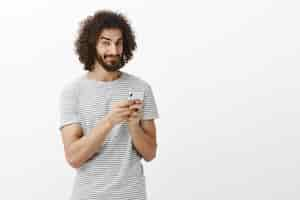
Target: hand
x=120 y=111
x=136 y=114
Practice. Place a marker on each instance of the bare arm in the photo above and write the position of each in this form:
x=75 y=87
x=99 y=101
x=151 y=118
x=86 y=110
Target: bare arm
x=78 y=147
x=144 y=138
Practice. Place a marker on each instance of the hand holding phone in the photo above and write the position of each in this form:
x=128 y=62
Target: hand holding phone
x=137 y=97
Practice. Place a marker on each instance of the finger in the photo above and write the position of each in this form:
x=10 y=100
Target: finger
x=125 y=113
x=134 y=115
x=121 y=109
x=138 y=101
x=135 y=107
x=125 y=103
x=137 y=114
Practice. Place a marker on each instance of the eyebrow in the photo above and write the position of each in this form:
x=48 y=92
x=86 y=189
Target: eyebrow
x=102 y=37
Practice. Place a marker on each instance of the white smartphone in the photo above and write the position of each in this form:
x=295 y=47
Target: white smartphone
x=135 y=94
x=130 y=95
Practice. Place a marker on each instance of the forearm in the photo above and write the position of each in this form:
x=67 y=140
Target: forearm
x=144 y=144
x=85 y=147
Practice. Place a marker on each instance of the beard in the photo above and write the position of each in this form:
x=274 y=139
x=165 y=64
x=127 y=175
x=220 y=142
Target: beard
x=115 y=63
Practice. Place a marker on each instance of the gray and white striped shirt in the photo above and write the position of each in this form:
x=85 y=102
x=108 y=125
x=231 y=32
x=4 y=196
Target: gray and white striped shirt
x=116 y=170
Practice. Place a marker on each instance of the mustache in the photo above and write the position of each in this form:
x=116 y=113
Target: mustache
x=112 y=56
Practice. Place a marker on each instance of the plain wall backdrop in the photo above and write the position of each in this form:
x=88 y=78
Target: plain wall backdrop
x=225 y=76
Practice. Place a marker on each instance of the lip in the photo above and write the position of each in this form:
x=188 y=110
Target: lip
x=112 y=58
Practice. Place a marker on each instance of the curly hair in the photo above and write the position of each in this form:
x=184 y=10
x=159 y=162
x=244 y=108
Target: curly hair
x=91 y=28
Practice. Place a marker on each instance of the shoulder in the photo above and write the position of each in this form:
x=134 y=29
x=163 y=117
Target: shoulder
x=71 y=87
x=137 y=81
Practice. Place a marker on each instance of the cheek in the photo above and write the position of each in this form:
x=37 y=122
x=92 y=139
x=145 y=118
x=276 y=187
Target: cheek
x=100 y=51
x=120 y=49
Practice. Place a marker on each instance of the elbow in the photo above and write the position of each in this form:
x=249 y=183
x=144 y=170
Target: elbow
x=77 y=162
x=74 y=157
x=150 y=157
x=73 y=162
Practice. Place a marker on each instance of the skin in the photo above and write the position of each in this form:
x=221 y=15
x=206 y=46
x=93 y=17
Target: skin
x=109 y=48
x=79 y=149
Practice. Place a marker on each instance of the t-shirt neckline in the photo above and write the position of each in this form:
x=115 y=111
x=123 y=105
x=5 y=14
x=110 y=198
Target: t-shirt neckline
x=104 y=83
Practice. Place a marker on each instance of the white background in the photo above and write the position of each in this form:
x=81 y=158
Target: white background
x=225 y=75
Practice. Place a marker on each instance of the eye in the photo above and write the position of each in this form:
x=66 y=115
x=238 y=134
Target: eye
x=119 y=43
x=105 y=43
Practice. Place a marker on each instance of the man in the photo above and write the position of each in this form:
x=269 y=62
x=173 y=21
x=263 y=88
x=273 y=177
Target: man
x=104 y=134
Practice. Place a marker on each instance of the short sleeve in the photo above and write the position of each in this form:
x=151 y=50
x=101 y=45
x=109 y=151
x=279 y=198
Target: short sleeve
x=150 y=107
x=68 y=112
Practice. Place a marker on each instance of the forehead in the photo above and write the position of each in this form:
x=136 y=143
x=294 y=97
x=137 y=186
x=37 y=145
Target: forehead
x=111 y=33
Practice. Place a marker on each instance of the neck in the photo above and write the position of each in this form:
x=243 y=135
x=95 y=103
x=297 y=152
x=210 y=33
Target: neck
x=100 y=74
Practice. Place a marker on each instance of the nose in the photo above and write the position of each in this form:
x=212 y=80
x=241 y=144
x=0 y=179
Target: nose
x=114 y=49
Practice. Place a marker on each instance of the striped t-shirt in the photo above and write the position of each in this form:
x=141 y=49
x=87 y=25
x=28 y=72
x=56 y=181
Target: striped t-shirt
x=116 y=170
